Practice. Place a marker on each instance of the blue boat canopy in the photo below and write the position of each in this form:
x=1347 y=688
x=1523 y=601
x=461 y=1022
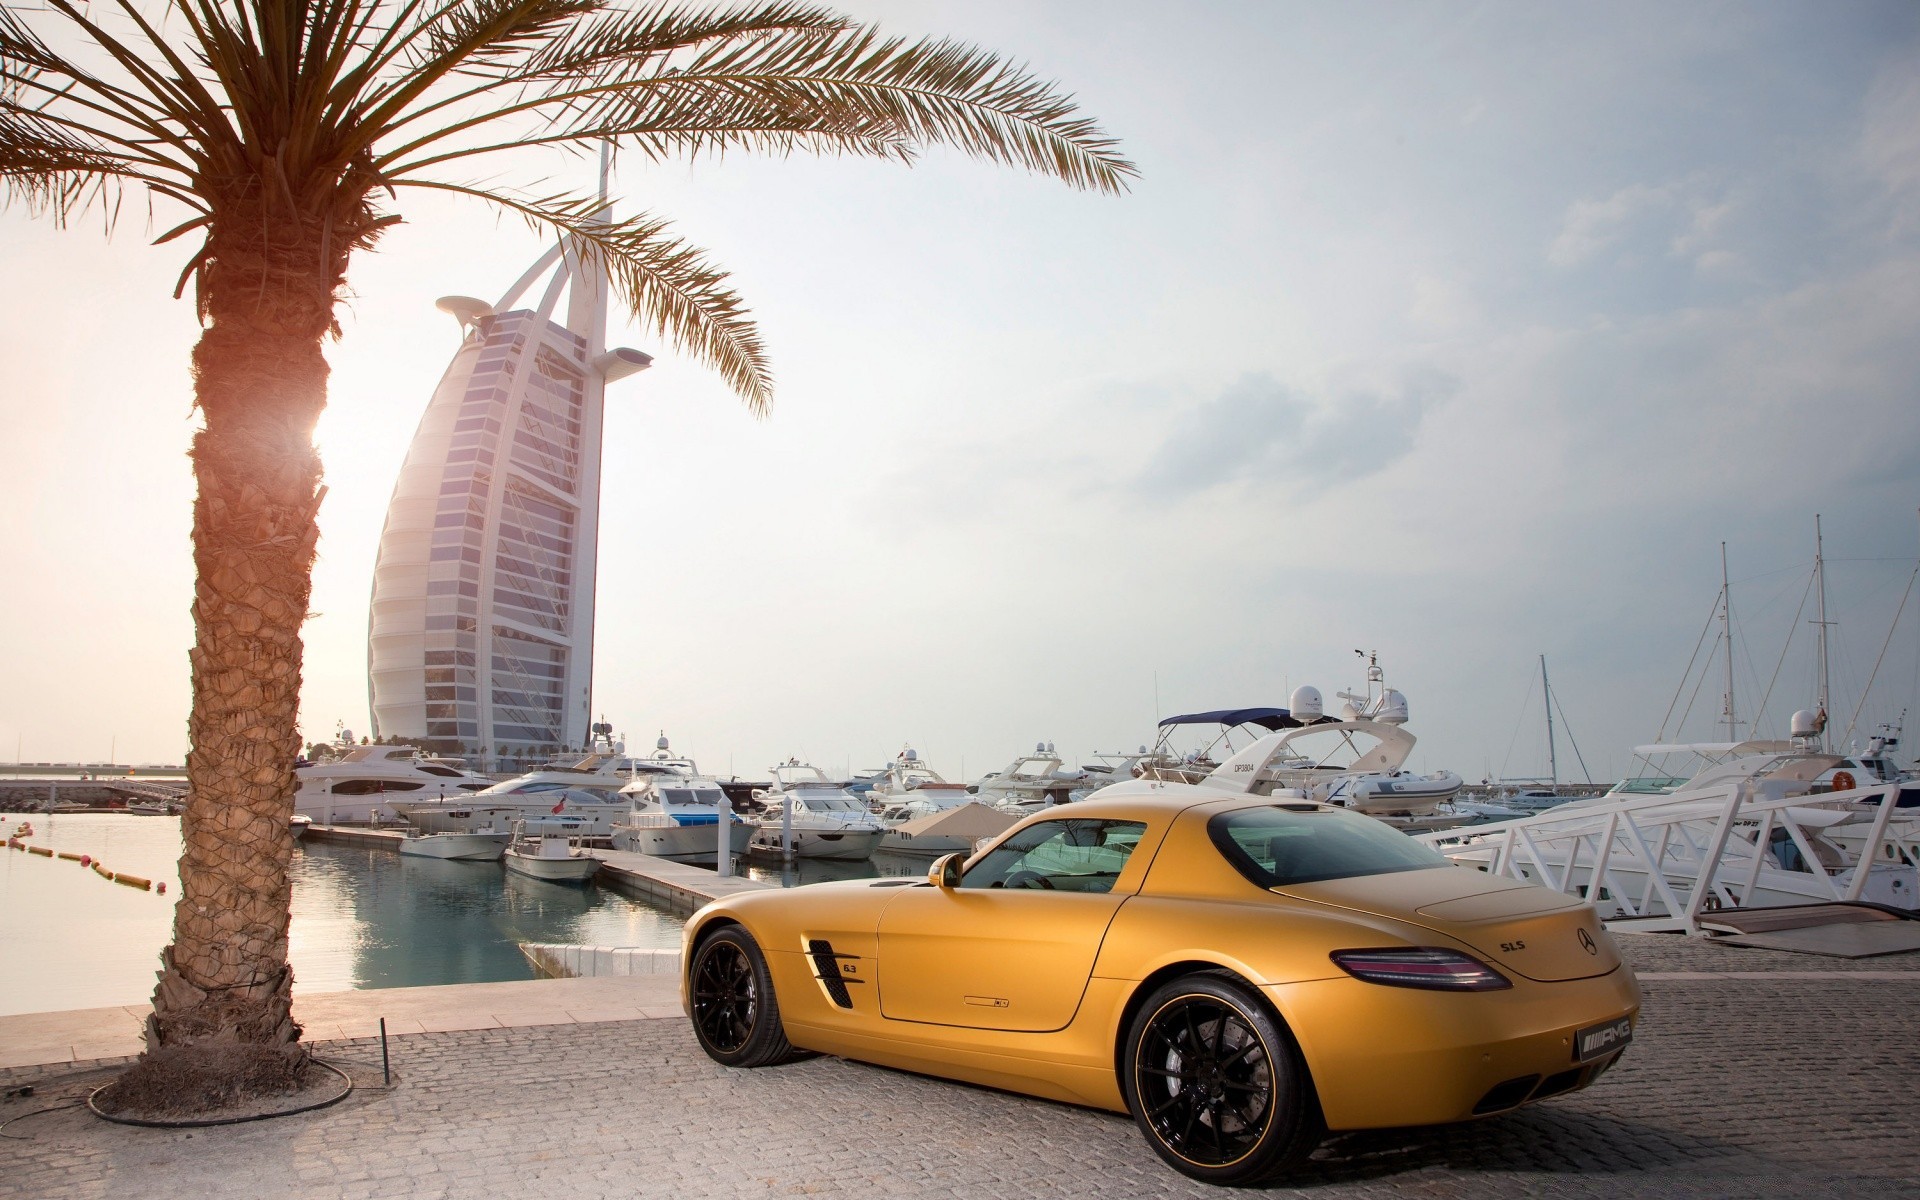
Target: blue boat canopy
x=1266 y=718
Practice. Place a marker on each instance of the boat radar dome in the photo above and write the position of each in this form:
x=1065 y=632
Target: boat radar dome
x=662 y=743
x=1805 y=724
x=1393 y=708
x=1305 y=704
x=465 y=309
x=912 y=754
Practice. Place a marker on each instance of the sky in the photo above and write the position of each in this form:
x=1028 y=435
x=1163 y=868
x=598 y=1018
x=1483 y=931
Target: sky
x=1463 y=334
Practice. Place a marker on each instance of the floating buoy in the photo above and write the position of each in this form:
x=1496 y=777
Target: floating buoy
x=161 y=888
x=42 y=851
x=133 y=881
x=70 y=856
x=101 y=871
x=86 y=860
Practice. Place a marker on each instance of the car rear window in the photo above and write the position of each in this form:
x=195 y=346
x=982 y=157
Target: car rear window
x=1296 y=844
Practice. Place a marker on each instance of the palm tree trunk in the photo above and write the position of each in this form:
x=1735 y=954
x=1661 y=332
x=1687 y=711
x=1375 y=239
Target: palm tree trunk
x=260 y=382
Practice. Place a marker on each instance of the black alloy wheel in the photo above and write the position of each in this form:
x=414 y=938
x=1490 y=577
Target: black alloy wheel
x=1216 y=1084
x=735 y=1015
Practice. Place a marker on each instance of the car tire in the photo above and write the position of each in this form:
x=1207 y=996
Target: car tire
x=736 y=1017
x=1217 y=1084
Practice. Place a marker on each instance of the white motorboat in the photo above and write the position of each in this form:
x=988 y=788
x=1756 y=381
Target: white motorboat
x=355 y=788
x=677 y=817
x=1031 y=782
x=480 y=846
x=587 y=789
x=909 y=788
x=814 y=817
x=542 y=853
x=300 y=824
x=1357 y=761
x=1763 y=824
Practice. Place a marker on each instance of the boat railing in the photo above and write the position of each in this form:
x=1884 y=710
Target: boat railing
x=1661 y=861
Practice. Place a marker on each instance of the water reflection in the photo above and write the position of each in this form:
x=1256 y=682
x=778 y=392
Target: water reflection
x=361 y=918
x=424 y=920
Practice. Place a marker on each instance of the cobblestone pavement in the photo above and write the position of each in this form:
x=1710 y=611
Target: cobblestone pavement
x=1799 y=1085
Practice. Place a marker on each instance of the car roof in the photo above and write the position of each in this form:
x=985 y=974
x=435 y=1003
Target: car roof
x=1143 y=800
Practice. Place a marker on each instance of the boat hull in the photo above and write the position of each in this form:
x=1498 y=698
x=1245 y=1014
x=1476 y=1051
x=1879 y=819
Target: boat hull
x=841 y=845
x=573 y=869
x=462 y=847
x=680 y=843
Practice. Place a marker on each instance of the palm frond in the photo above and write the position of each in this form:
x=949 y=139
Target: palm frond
x=615 y=42
x=50 y=171
x=669 y=285
x=839 y=86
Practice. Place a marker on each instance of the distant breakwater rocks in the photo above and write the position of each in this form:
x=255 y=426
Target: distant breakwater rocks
x=33 y=795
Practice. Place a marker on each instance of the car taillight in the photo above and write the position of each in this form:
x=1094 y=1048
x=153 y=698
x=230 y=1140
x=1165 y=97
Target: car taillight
x=1421 y=967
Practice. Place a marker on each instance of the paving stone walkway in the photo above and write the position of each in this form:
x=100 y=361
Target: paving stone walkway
x=1795 y=1077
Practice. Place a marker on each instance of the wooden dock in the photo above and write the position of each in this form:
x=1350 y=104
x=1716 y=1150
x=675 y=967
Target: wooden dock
x=674 y=886
x=671 y=885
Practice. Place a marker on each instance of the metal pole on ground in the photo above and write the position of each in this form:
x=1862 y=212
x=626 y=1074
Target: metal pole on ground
x=723 y=815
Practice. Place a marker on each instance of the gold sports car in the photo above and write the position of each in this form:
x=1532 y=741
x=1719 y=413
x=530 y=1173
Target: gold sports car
x=1241 y=974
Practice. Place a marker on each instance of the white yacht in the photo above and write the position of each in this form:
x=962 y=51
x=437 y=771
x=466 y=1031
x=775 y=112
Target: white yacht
x=586 y=789
x=1357 y=761
x=1764 y=823
x=814 y=816
x=677 y=817
x=356 y=787
x=909 y=788
x=1031 y=782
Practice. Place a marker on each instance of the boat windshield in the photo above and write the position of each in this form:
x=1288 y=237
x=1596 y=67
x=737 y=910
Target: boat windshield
x=696 y=797
x=819 y=801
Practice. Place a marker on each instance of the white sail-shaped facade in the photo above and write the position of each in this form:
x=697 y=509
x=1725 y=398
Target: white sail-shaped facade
x=481 y=632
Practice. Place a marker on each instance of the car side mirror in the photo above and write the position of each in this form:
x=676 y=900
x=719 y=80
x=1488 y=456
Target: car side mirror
x=945 y=872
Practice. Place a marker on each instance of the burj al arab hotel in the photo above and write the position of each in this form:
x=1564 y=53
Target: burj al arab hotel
x=481 y=636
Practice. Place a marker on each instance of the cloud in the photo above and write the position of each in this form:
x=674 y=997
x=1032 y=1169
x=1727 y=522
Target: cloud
x=1688 y=217
x=1889 y=141
x=1591 y=226
x=1261 y=431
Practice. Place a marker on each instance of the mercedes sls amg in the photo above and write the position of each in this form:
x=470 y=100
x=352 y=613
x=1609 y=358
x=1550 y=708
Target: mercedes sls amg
x=1240 y=974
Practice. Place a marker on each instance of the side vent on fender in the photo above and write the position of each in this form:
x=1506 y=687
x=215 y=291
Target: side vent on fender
x=826 y=968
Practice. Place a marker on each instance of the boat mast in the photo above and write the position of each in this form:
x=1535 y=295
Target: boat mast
x=1726 y=635
x=1820 y=578
x=1546 y=693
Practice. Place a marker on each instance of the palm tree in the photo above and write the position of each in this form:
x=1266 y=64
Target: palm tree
x=286 y=132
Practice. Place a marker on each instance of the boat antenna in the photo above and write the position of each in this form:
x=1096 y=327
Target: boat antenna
x=1546 y=691
x=1726 y=626
x=1820 y=579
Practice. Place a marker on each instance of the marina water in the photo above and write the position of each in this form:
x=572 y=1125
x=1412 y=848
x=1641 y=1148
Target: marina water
x=361 y=918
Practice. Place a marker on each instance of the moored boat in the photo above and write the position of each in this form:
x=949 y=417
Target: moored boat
x=480 y=846
x=814 y=817
x=555 y=857
x=676 y=817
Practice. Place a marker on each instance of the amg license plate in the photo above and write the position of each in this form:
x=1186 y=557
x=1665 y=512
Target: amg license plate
x=1597 y=1040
